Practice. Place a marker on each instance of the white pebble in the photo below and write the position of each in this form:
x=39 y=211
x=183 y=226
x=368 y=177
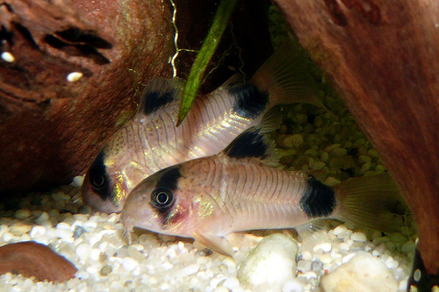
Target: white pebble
x=44 y=217
x=346 y=258
x=344 y=246
x=339 y=230
x=188 y=270
x=64 y=233
x=167 y=266
x=129 y=264
x=92 y=270
x=326 y=247
x=74 y=76
x=7 y=236
x=8 y=57
x=18 y=229
x=271 y=263
x=306 y=255
x=359 y=236
x=310 y=275
x=362 y=273
x=293 y=285
x=231 y=283
x=94 y=255
x=83 y=250
x=37 y=231
x=326 y=258
x=230 y=264
x=391 y=263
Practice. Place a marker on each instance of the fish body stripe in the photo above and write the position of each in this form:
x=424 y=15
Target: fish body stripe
x=318 y=200
x=155 y=100
x=250 y=102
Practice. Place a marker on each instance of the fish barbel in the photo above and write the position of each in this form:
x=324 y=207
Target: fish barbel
x=239 y=190
x=151 y=141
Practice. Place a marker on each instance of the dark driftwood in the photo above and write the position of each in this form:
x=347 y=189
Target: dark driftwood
x=51 y=128
x=384 y=58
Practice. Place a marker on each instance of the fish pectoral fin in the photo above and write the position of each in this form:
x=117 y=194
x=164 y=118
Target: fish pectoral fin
x=215 y=243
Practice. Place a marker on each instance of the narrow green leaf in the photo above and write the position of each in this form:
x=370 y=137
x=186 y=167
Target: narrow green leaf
x=207 y=50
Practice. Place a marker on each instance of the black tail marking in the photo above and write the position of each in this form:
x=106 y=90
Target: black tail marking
x=250 y=102
x=318 y=200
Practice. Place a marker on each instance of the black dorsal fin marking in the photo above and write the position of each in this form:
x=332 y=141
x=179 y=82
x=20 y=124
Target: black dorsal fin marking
x=156 y=100
x=252 y=144
x=158 y=93
x=318 y=200
x=250 y=102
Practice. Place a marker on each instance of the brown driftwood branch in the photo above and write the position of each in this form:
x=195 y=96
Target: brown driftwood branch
x=384 y=58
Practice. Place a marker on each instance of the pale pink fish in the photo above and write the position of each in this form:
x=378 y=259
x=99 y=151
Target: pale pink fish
x=151 y=141
x=238 y=190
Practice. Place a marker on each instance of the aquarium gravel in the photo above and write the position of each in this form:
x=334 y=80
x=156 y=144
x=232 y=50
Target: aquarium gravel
x=327 y=144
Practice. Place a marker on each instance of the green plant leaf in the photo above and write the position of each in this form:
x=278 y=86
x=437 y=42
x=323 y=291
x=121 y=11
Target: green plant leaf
x=220 y=21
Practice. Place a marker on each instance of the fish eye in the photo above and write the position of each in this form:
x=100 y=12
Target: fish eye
x=98 y=181
x=162 y=197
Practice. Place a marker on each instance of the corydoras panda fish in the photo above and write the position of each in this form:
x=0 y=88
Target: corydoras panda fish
x=151 y=141
x=239 y=190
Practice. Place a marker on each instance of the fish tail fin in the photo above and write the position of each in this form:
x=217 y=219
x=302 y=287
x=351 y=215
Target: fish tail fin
x=371 y=201
x=285 y=76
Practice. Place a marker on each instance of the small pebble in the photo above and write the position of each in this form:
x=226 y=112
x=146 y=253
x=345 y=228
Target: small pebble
x=187 y=271
x=19 y=229
x=293 y=285
x=325 y=247
x=74 y=76
x=407 y=247
x=271 y=263
x=326 y=258
x=8 y=57
x=306 y=255
x=359 y=236
x=129 y=264
x=22 y=214
x=167 y=265
x=362 y=273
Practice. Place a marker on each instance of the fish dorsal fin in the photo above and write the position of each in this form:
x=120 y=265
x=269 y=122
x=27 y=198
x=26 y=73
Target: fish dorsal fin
x=286 y=77
x=251 y=144
x=158 y=93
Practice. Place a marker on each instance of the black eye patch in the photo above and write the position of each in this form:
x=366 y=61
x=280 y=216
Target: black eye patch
x=99 y=179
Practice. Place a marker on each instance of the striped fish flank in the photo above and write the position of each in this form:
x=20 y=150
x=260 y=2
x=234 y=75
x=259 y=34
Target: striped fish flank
x=241 y=190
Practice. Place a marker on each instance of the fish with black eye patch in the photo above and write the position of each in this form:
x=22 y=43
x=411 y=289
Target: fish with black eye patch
x=151 y=141
x=238 y=190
